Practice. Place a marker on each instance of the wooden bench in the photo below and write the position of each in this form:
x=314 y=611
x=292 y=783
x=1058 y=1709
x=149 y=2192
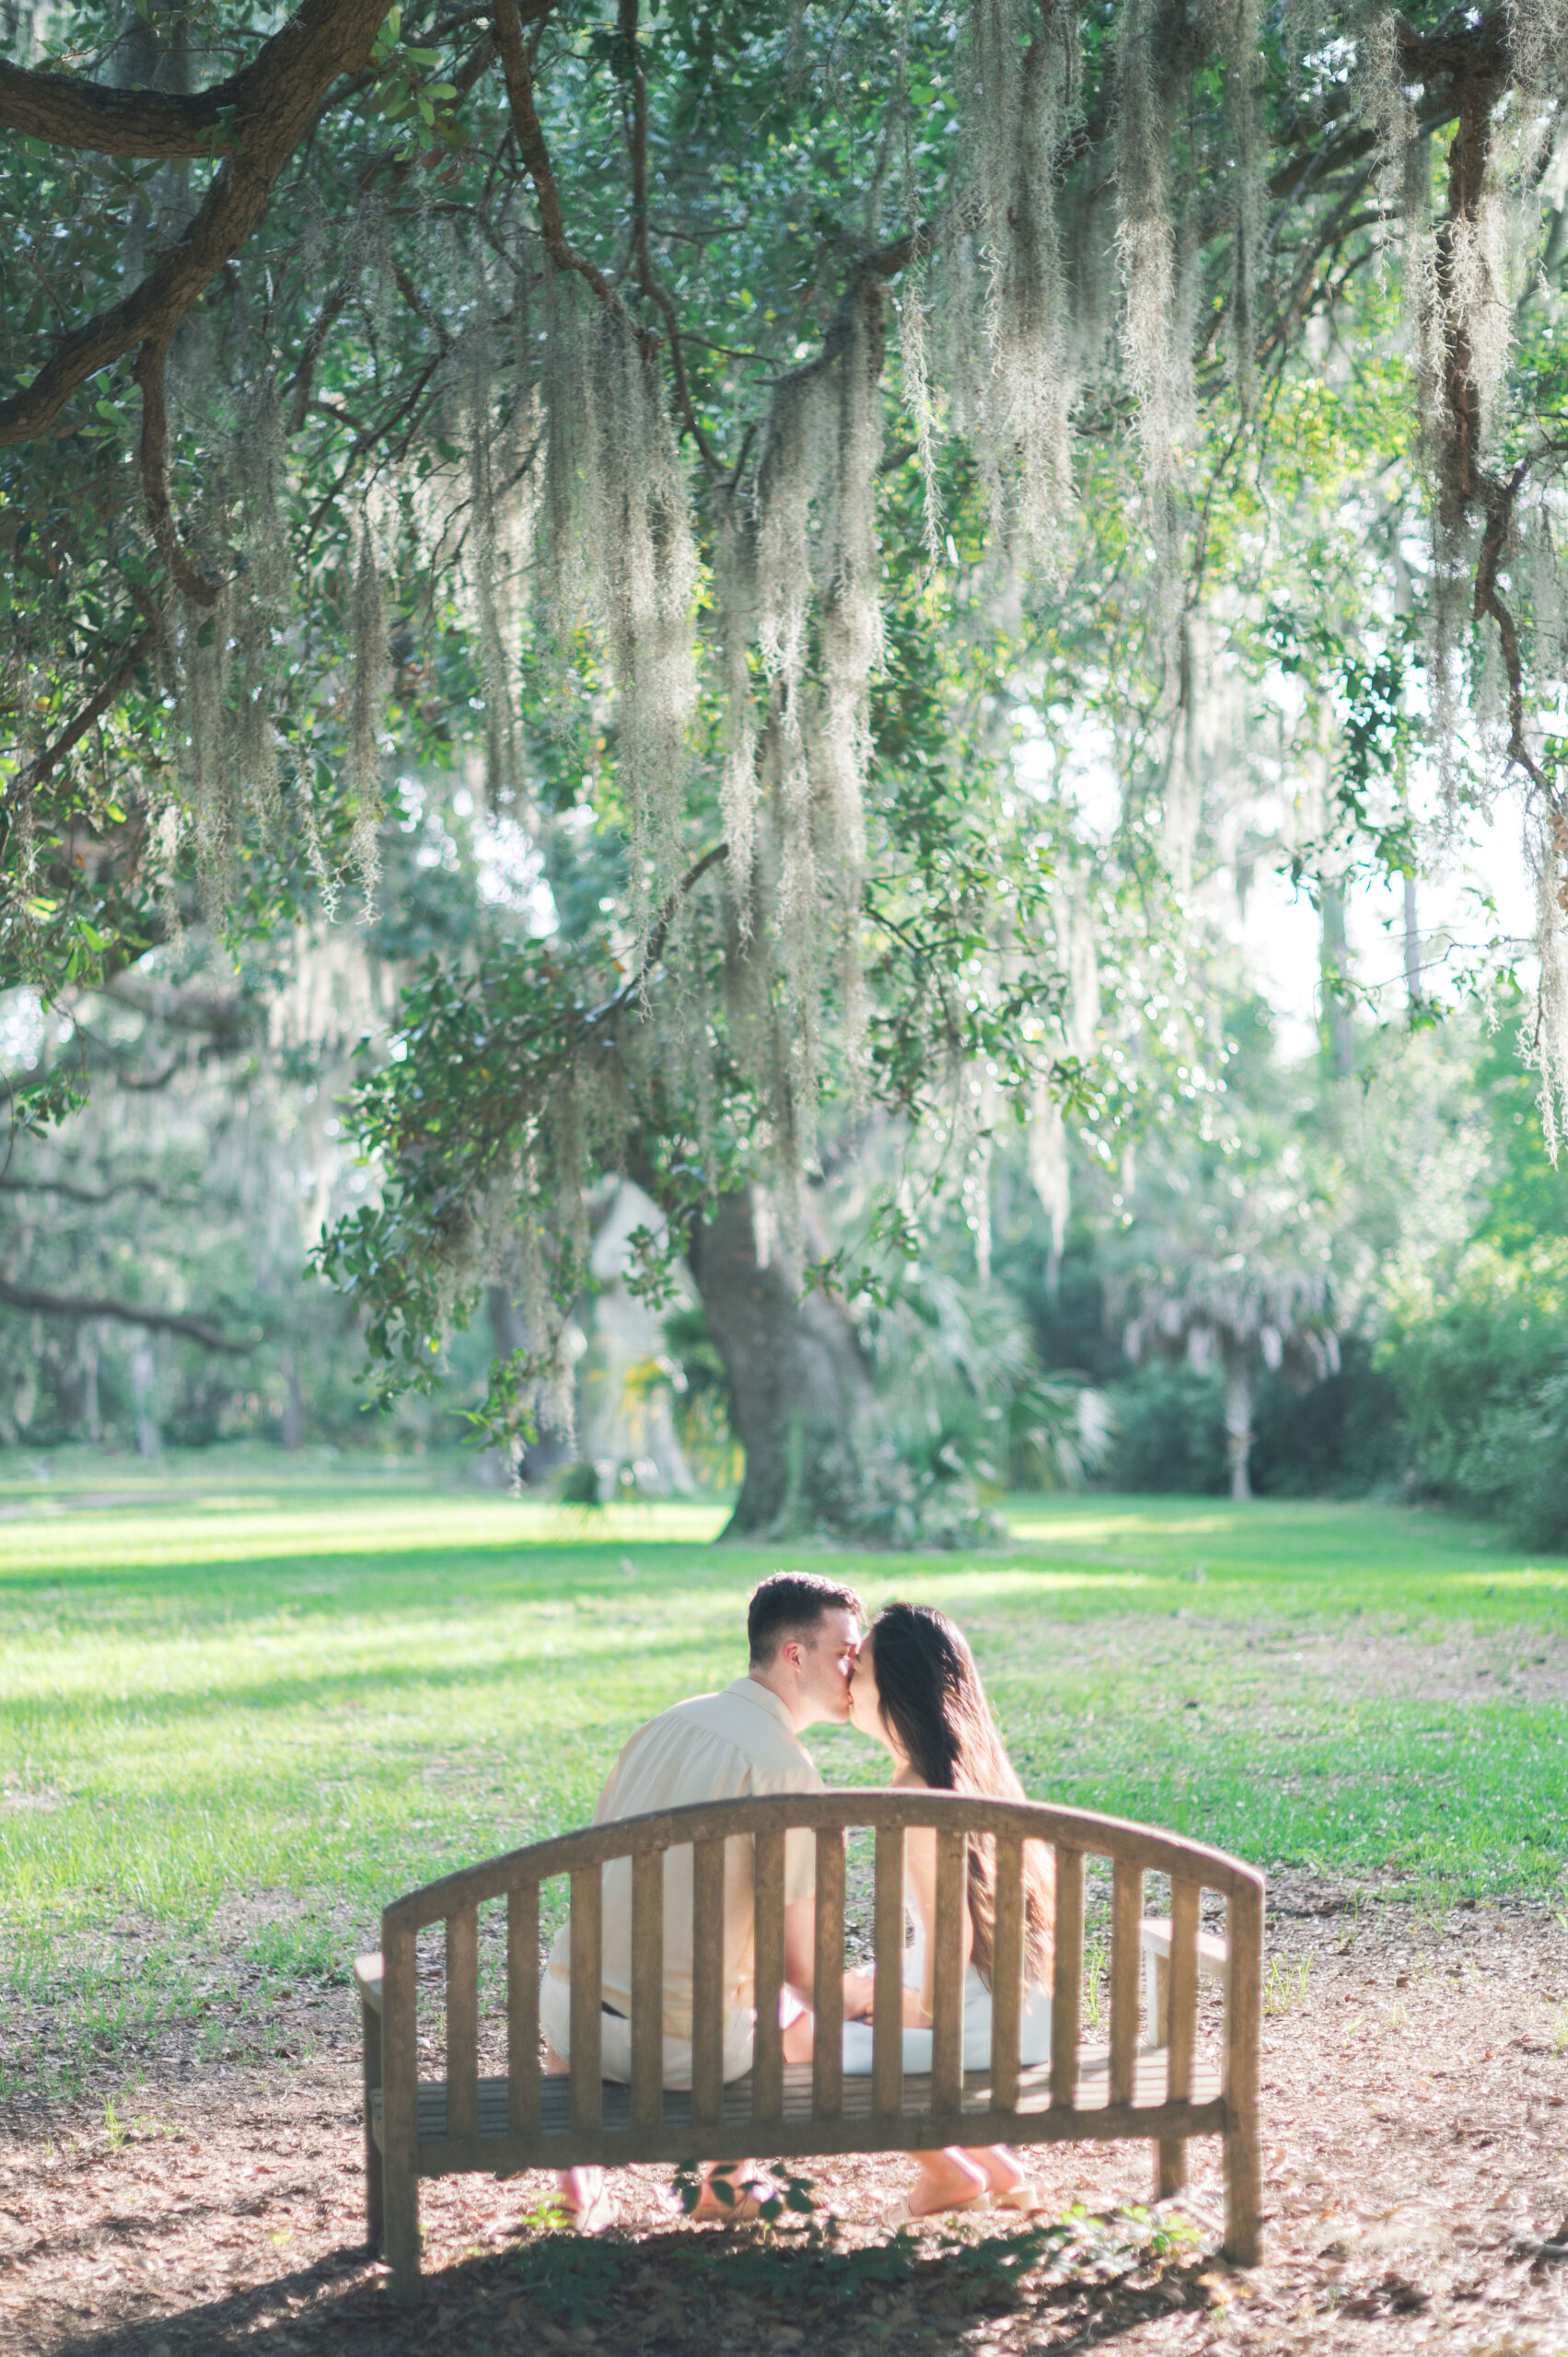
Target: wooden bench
x=1155 y=2086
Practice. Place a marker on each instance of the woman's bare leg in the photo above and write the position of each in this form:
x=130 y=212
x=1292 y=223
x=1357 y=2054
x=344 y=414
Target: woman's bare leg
x=798 y=2035
x=947 y=2180
x=1004 y=2173
x=584 y=2197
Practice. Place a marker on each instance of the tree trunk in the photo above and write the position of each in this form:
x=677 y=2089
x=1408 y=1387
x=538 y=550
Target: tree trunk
x=1412 y=950
x=509 y=1334
x=800 y=1390
x=1339 y=1032
x=142 y=1377
x=1238 y=1420
x=290 y=1424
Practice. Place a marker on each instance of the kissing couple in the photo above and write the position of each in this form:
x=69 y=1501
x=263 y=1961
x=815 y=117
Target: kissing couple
x=910 y=1683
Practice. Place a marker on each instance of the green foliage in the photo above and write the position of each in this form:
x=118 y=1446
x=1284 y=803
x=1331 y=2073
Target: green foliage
x=1169 y=1437
x=700 y=1397
x=292 y=1950
x=575 y=2276
x=1483 y=1387
x=964 y=1411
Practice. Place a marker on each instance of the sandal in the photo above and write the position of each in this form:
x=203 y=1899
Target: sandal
x=1024 y=2198
x=901 y=2214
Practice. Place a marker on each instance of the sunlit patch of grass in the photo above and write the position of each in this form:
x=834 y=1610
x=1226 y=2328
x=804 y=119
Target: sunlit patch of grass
x=329 y=1683
x=290 y=1952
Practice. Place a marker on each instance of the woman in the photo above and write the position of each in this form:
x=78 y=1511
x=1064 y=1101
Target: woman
x=917 y=1691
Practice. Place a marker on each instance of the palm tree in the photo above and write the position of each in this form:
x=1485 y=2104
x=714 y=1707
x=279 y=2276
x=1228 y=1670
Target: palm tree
x=1245 y=1309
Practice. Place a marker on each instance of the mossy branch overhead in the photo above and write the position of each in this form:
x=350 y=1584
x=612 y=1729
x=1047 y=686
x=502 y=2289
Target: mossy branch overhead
x=588 y=387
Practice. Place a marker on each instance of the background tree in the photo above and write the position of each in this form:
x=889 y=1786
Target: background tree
x=1244 y=1314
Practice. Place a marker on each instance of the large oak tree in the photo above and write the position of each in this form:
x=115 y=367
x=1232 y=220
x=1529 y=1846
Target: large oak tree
x=657 y=396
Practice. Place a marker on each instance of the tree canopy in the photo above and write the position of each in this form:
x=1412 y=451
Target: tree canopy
x=721 y=419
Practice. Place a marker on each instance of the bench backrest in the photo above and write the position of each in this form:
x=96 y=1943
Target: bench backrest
x=1073 y=1834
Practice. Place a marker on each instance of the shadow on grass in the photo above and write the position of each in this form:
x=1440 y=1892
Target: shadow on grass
x=691 y=2291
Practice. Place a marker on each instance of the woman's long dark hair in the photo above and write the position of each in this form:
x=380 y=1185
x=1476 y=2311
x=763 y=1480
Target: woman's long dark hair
x=935 y=1707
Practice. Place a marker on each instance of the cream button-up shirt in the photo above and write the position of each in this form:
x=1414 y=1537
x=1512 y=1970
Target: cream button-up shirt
x=715 y=1748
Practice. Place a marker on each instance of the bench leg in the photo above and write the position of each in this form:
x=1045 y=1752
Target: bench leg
x=1243 y=2139
x=1170 y=2167
x=370 y=2021
x=1243 y=2194
x=399 y=2184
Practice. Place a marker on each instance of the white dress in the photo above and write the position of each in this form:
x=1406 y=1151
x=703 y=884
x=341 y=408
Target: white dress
x=1034 y=2025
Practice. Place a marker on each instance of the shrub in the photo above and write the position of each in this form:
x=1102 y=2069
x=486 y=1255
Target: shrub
x=1482 y=1387
x=1170 y=1424
x=1340 y=1436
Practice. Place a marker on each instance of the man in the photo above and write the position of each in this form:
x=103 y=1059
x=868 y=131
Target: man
x=803 y=1633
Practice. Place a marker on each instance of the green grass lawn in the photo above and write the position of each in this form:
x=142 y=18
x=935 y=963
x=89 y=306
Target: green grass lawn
x=245 y=1682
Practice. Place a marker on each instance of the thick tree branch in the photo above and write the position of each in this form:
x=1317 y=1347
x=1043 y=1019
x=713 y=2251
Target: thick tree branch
x=81 y=1194
x=1497 y=499
x=514 y=53
x=322 y=40
x=125 y=1313
x=282 y=107
x=648 y=277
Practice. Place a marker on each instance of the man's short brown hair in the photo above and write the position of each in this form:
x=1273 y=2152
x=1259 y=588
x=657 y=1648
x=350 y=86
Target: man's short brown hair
x=791 y=1604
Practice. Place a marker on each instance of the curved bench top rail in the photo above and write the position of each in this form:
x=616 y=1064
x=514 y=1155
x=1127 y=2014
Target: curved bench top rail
x=846 y=1808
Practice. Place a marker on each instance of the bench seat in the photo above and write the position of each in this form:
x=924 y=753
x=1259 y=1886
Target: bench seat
x=1148 y=2081
x=915 y=2126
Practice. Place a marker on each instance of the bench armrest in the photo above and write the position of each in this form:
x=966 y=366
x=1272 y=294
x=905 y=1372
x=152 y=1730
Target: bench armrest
x=367 y=1973
x=1154 y=1938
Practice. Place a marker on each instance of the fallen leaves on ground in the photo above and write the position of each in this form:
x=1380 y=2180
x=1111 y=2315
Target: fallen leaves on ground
x=1416 y=2155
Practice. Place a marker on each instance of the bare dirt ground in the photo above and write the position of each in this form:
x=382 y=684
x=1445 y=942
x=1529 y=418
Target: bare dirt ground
x=1416 y=2120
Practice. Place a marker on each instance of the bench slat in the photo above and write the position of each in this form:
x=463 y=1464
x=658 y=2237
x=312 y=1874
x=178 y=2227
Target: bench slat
x=828 y=1993
x=708 y=1993
x=522 y=2006
x=648 y=1987
x=768 y=1901
x=1184 y=2029
x=1126 y=1908
x=462 y=2019
x=1067 y=1974
x=588 y=1995
x=1154 y=1938
x=888 y=1937
x=1006 y=1969
x=948 y=1978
